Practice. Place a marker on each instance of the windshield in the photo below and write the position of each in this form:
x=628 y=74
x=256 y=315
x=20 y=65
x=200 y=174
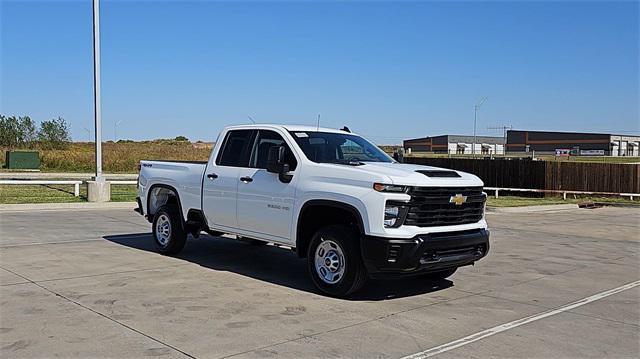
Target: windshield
x=342 y=148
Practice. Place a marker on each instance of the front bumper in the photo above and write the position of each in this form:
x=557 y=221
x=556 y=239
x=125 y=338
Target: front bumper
x=423 y=253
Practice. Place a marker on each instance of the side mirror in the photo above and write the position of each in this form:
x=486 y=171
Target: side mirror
x=275 y=160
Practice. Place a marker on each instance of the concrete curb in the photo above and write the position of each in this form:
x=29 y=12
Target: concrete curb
x=533 y=209
x=65 y=206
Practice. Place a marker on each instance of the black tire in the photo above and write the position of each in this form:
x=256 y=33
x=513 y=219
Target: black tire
x=354 y=275
x=173 y=240
x=442 y=274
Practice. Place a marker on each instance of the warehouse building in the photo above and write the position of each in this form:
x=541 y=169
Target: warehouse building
x=456 y=144
x=576 y=144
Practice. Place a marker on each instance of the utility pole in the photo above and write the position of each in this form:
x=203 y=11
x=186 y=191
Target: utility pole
x=504 y=129
x=96 y=89
x=89 y=134
x=475 y=122
x=115 y=130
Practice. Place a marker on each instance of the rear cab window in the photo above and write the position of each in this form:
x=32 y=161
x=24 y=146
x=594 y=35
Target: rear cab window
x=236 y=148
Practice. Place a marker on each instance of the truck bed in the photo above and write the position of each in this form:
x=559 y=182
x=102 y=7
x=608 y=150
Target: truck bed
x=177 y=161
x=185 y=177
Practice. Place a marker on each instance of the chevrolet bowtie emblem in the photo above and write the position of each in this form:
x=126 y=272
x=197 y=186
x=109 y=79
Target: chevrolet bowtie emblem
x=458 y=199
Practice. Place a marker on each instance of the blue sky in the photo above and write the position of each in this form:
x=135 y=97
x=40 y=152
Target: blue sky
x=388 y=70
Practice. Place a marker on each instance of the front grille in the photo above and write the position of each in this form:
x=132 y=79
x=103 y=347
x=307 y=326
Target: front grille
x=431 y=206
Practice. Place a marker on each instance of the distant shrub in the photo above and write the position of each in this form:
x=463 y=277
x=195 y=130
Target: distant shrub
x=54 y=134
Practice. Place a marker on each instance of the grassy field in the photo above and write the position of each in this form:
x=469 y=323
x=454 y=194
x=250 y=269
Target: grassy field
x=121 y=157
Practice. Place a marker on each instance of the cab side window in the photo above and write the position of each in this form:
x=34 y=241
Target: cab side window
x=236 y=148
x=264 y=142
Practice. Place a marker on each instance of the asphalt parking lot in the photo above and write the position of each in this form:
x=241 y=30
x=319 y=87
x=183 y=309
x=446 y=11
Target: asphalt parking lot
x=86 y=283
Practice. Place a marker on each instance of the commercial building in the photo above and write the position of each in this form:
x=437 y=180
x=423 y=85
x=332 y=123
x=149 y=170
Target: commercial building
x=456 y=144
x=574 y=143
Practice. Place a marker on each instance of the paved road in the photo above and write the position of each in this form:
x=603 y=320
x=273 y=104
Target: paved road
x=86 y=283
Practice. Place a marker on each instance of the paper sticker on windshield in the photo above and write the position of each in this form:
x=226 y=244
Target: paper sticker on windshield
x=301 y=134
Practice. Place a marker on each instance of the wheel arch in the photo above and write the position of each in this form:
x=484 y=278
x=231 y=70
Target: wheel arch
x=165 y=190
x=333 y=212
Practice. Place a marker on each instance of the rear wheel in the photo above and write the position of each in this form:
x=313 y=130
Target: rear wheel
x=334 y=261
x=168 y=230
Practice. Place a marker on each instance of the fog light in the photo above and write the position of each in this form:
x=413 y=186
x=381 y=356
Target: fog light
x=391 y=214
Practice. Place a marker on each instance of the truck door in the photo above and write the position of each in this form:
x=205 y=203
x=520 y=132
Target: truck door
x=220 y=183
x=265 y=203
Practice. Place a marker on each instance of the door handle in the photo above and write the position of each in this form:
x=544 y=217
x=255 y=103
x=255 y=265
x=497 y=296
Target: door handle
x=246 y=179
x=212 y=176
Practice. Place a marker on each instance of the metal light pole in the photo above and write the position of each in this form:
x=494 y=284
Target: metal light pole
x=475 y=122
x=96 y=89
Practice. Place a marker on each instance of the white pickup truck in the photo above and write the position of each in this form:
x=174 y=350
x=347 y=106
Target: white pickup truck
x=330 y=195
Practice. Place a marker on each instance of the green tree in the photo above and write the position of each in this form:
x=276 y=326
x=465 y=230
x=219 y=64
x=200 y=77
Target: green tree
x=9 y=133
x=17 y=132
x=181 y=138
x=54 y=134
x=27 y=131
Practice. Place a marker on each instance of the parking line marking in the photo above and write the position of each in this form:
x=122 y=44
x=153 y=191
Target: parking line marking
x=516 y=323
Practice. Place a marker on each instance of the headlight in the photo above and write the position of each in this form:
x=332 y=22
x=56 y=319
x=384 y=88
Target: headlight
x=389 y=188
x=394 y=215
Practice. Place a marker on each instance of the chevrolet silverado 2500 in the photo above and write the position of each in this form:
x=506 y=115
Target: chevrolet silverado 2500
x=330 y=195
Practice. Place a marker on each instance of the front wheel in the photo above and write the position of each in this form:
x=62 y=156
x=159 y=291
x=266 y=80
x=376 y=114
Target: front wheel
x=334 y=261
x=168 y=230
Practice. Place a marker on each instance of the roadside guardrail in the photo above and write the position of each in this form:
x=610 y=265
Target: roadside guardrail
x=76 y=184
x=72 y=176
x=496 y=190
x=123 y=182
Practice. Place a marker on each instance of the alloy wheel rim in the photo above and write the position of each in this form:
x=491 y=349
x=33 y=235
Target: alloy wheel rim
x=329 y=261
x=163 y=230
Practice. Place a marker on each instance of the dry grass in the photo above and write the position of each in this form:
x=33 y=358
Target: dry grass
x=117 y=157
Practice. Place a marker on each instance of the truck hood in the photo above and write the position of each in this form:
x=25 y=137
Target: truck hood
x=407 y=175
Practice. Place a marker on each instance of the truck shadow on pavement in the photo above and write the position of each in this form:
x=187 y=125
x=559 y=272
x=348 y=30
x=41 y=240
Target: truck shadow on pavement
x=274 y=265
